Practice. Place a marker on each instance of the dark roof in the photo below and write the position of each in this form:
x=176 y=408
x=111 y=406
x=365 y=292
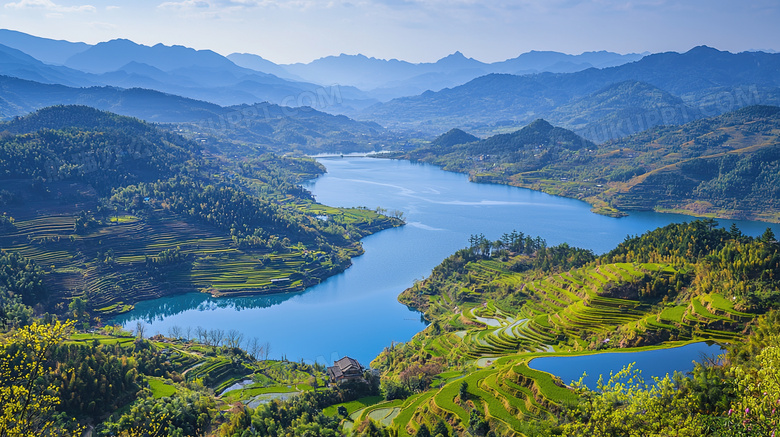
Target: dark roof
x=345 y=367
x=348 y=363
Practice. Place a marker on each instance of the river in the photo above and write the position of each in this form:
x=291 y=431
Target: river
x=356 y=313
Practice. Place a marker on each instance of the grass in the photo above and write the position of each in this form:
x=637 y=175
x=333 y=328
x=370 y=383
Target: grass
x=674 y=313
x=546 y=385
x=250 y=392
x=353 y=406
x=160 y=389
x=408 y=410
x=89 y=338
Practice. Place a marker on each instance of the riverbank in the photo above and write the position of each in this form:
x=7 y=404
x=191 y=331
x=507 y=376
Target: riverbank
x=497 y=308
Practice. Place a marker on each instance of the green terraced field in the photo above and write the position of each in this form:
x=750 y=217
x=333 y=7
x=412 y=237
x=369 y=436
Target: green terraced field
x=561 y=313
x=211 y=261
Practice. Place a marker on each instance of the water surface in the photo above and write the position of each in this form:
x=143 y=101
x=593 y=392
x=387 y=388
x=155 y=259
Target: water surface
x=356 y=313
x=653 y=363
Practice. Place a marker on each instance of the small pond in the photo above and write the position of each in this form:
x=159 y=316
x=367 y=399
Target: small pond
x=656 y=362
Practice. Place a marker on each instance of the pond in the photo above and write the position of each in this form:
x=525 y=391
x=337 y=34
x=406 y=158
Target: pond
x=653 y=363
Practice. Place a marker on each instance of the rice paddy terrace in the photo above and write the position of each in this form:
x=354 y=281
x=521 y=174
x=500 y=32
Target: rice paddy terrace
x=487 y=340
x=109 y=264
x=234 y=378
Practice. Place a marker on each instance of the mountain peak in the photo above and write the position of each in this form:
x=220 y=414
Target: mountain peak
x=117 y=41
x=540 y=124
x=458 y=60
x=453 y=137
x=703 y=50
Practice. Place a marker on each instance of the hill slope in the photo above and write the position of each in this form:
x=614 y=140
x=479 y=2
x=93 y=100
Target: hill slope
x=116 y=210
x=496 y=305
x=275 y=127
x=724 y=166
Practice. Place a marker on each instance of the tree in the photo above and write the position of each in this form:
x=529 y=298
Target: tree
x=234 y=338
x=477 y=423
x=140 y=329
x=202 y=334
x=423 y=431
x=217 y=336
x=464 y=391
x=342 y=410
x=254 y=348
x=756 y=410
x=28 y=404
x=626 y=405
x=441 y=429
x=78 y=307
x=175 y=332
x=768 y=236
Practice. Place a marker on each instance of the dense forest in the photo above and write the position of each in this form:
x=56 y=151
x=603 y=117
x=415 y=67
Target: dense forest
x=724 y=166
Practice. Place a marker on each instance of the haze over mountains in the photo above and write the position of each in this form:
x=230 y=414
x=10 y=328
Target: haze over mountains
x=247 y=78
x=601 y=104
x=386 y=79
x=599 y=95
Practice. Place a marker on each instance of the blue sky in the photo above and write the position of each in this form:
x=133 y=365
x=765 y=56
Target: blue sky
x=286 y=31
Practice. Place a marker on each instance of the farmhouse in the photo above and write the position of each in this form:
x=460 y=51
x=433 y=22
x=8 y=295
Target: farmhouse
x=345 y=369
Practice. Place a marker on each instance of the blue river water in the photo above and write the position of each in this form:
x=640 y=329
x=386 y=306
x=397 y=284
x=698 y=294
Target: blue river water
x=356 y=313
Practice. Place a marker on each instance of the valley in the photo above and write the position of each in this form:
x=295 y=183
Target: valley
x=469 y=238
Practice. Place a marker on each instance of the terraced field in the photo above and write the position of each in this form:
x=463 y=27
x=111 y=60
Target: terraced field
x=193 y=361
x=563 y=313
x=108 y=264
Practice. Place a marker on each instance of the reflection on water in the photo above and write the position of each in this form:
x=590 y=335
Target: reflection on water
x=158 y=309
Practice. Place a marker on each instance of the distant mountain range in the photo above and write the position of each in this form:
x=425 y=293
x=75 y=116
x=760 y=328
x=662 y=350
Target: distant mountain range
x=247 y=78
x=384 y=79
x=197 y=74
x=599 y=95
x=600 y=104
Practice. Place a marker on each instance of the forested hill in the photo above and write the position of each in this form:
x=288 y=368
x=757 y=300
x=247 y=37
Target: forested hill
x=108 y=210
x=537 y=135
x=453 y=137
x=268 y=125
x=78 y=143
x=724 y=166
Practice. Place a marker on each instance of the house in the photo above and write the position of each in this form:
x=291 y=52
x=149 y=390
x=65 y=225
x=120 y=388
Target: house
x=345 y=369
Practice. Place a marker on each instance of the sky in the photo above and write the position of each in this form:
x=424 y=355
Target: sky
x=288 y=31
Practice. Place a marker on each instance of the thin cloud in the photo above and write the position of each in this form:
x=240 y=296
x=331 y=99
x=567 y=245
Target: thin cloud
x=48 y=5
x=240 y=5
x=186 y=4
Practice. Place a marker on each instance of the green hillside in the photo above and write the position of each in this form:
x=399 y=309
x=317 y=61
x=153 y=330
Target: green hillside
x=724 y=166
x=496 y=305
x=111 y=210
